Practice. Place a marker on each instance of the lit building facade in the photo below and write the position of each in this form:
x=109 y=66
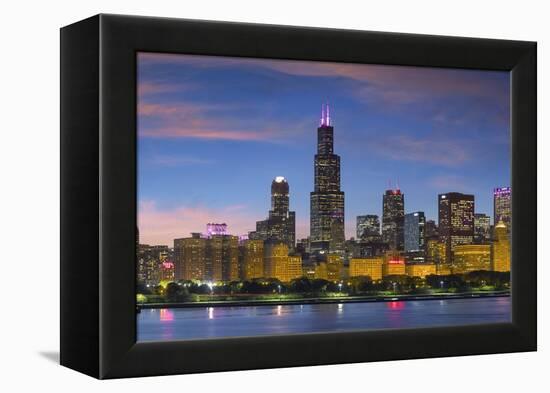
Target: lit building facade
x=335 y=267
x=278 y=264
x=327 y=200
x=482 y=228
x=371 y=267
x=502 y=206
x=415 y=224
x=149 y=260
x=368 y=228
x=456 y=220
x=190 y=257
x=221 y=258
x=501 y=249
x=471 y=257
x=393 y=265
x=253 y=259
x=420 y=269
x=280 y=226
x=393 y=215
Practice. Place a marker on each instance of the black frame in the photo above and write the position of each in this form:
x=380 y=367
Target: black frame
x=98 y=195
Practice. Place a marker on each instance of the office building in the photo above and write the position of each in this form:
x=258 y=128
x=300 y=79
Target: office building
x=420 y=269
x=502 y=207
x=280 y=226
x=371 y=267
x=471 y=257
x=415 y=231
x=327 y=200
x=482 y=228
x=190 y=257
x=456 y=220
x=368 y=228
x=253 y=259
x=393 y=212
x=394 y=264
x=278 y=264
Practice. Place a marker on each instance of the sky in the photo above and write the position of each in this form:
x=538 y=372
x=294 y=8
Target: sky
x=213 y=132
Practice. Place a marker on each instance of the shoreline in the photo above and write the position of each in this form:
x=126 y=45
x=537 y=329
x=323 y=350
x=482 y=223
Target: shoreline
x=328 y=300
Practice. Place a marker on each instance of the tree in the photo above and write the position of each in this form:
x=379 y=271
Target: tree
x=172 y=292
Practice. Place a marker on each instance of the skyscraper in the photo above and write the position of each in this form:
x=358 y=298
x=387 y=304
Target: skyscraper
x=482 y=228
x=327 y=201
x=281 y=223
x=368 y=227
x=415 y=231
x=502 y=205
x=456 y=220
x=393 y=212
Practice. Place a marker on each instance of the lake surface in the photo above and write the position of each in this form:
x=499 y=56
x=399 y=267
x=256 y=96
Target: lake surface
x=217 y=322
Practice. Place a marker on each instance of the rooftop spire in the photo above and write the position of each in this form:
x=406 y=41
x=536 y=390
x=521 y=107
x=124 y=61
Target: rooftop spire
x=325 y=115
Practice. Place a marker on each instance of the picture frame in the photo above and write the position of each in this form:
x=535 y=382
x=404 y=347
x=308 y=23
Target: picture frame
x=98 y=195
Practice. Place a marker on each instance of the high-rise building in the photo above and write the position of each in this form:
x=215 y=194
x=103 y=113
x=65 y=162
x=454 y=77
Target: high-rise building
x=278 y=264
x=280 y=226
x=371 y=267
x=482 y=228
x=393 y=212
x=501 y=249
x=253 y=259
x=149 y=260
x=471 y=257
x=415 y=224
x=222 y=258
x=368 y=228
x=431 y=229
x=502 y=205
x=190 y=257
x=456 y=220
x=327 y=200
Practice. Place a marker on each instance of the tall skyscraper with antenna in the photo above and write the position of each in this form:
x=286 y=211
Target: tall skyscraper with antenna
x=327 y=200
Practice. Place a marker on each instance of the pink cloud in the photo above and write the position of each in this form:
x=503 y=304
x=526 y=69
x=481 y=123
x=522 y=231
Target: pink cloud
x=162 y=226
x=198 y=132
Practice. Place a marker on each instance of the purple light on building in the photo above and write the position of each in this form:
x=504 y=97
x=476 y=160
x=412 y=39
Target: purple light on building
x=216 y=229
x=502 y=191
x=325 y=115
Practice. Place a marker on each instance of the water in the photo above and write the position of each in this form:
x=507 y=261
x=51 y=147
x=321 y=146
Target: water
x=216 y=322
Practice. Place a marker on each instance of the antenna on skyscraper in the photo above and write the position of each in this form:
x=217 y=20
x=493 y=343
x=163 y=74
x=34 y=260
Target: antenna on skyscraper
x=328 y=115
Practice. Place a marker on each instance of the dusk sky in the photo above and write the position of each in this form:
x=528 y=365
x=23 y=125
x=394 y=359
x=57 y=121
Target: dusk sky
x=213 y=132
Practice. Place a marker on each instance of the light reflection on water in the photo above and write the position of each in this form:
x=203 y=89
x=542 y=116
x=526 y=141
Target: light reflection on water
x=211 y=322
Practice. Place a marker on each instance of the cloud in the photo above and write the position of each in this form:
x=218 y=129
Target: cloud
x=210 y=134
x=211 y=122
x=162 y=226
x=428 y=150
x=152 y=88
x=166 y=160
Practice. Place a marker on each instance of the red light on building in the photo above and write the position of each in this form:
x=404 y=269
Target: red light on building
x=396 y=262
x=167 y=265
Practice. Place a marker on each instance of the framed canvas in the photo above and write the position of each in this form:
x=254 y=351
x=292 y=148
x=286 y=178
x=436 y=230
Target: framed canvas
x=240 y=196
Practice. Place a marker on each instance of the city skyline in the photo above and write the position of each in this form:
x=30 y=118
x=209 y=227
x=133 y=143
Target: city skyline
x=199 y=137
